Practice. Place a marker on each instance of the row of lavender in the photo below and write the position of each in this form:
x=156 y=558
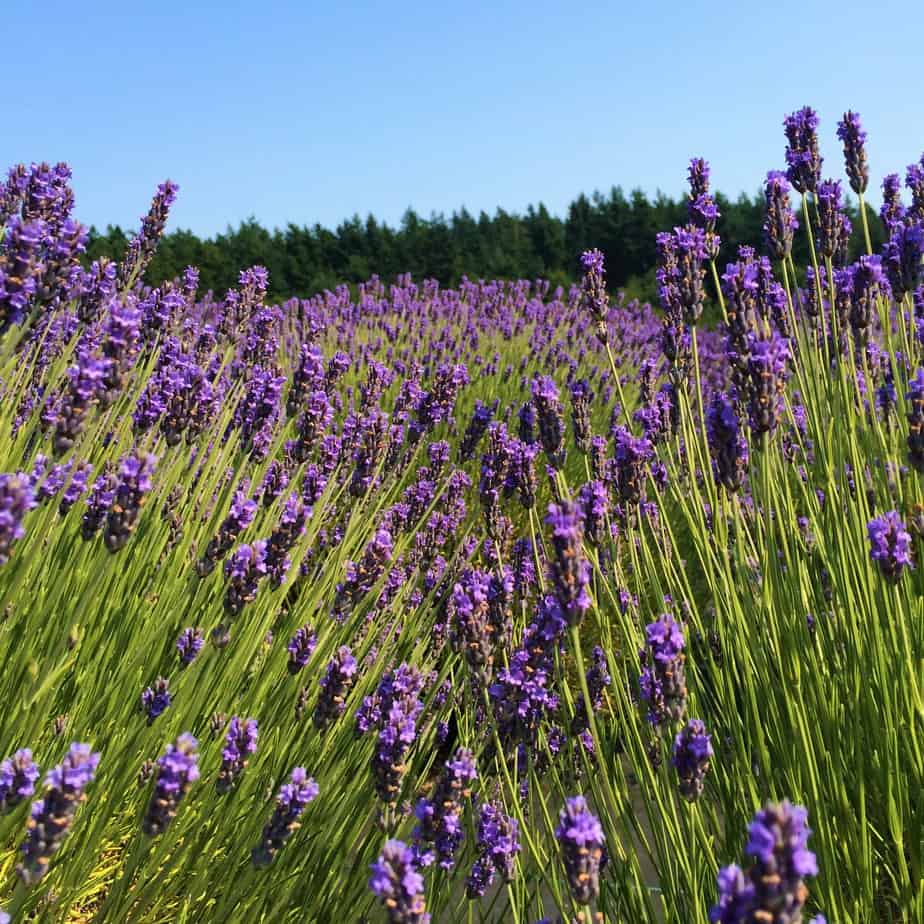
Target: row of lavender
x=388 y=483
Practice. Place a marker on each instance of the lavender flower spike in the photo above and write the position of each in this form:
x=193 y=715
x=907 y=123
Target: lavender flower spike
x=53 y=814
x=16 y=498
x=188 y=646
x=240 y=745
x=17 y=779
x=851 y=134
x=396 y=882
x=581 y=840
x=177 y=770
x=890 y=545
x=291 y=802
x=692 y=750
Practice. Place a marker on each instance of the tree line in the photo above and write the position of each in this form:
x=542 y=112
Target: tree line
x=304 y=260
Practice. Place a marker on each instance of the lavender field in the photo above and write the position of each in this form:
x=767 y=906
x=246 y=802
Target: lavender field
x=496 y=603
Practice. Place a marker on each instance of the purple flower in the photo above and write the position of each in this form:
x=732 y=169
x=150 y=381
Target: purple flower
x=633 y=454
x=134 y=483
x=244 y=570
x=75 y=488
x=551 y=421
x=240 y=745
x=239 y=517
x=300 y=648
x=177 y=770
x=802 y=155
x=291 y=802
x=890 y=545
x=99 y=500
x=773 y=889
x=477 y=427
x=471 y=629
x=914 y=180
x=17 y=779
x=736 y=897
x=188 y=645
x=701 y=206
x=851 y=134
x=767 y=370
x=830 y=228
x=892 y=212
x=53 y=814
x=902 y=256
x=867 y=280
x=394 y=710
x=335 y=687
x=570 y=570
x=156 y=700
x=396 y=882
x=692 y=750
x=498 y=846
x=727 y=444
x=780 y=223
x=141 y=248
x=915 y=399
x=663 y=679
x=16 y=499
x=580 y=838
x=594 y=299
x=440 y=816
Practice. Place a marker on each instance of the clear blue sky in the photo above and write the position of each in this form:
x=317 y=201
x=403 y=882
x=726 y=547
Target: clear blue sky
x=310 y=112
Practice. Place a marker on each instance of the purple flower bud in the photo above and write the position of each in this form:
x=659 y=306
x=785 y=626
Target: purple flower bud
x=240 y=745
x=780 y=223
x=773 y=888
x=551 y=421
x=440 y=815
x=663 y=680
x=580 y=838
x=570 y=570
x=335 y=687
x=890 y=545
x=156 y=700
x=300 y=648
x=802 y=155
x=396 y=882
x=16 y=499
x=851 y=134
x=177 y=770
x=291 y=802
x=53 y=814
x=134 y=484
x=498 y=846
x=727 y=443
x=244 y=570
x=188 y=645
x=141 y=248
x=692 y=750
x=17 y=779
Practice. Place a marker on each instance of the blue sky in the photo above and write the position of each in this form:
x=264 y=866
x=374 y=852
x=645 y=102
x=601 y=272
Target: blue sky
x=306 y=112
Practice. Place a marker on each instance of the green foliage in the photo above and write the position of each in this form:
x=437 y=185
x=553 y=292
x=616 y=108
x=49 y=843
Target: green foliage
x=306 y=260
